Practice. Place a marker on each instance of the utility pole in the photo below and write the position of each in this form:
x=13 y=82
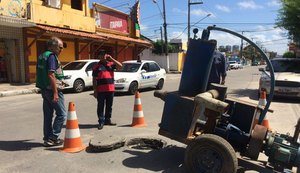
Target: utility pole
x=166 y=37
x=161 y=39
x=241 y=48
x=189 y=16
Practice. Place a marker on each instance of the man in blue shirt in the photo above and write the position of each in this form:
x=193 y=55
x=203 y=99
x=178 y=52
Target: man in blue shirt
x=218 y=69
x=49 y=80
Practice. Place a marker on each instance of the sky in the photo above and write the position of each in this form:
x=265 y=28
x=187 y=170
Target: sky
x=255 y=19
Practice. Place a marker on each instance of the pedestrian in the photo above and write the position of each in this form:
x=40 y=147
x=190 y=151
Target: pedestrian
x=218 y=69
x=104 y=87
x=49 y=75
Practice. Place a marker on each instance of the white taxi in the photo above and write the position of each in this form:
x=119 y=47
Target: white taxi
x=287 y=77
x=137 y=74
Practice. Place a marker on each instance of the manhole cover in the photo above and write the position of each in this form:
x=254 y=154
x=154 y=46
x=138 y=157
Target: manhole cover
x=146 y=143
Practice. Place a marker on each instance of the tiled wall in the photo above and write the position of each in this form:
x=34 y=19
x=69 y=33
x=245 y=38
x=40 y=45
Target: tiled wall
x=18 y=61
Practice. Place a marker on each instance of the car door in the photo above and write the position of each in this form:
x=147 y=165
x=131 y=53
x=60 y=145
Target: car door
x=155 y=73
x=144 y=75
x=88 y=72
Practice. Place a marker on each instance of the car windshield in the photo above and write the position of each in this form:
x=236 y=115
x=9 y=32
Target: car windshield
x=231 y=62
x=285 y=66
x=130 y=67
x=74 y=65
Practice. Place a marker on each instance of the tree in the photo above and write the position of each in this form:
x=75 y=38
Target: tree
x=289 y=55
x=289 y=18
x=159 y=47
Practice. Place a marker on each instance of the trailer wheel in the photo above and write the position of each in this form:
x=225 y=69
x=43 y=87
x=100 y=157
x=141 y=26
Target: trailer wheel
x=210 y=153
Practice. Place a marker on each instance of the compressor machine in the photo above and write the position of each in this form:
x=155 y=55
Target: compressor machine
x=214 y=126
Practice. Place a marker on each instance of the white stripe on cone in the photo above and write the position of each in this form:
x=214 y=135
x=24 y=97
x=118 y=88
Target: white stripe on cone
x=138 y=114
x=72 y=115
x=72 y=133
x=137 y=101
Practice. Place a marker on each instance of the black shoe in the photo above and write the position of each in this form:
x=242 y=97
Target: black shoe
x=100 y=126
x=110 y=123
x=53 y=142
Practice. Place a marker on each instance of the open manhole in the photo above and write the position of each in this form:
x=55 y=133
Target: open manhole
x=146 y=143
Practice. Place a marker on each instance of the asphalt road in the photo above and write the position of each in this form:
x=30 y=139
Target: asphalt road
x=21 y=147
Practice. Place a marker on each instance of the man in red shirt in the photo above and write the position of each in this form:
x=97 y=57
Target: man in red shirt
x=104 y=87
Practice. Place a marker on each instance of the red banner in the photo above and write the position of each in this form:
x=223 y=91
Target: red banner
x=112 y=20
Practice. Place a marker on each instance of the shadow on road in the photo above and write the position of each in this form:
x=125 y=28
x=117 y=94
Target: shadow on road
x=18 y=145
x=171 y=160
x=167 y=160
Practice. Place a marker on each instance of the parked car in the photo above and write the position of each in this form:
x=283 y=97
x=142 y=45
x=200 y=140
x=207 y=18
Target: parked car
x=78 y=74
x=136 y=74
x=235 y=65
x=287 y=77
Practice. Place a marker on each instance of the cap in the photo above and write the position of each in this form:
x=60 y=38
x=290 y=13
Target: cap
x=102 y=51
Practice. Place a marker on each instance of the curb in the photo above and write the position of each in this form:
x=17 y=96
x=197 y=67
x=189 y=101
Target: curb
x=19 y=92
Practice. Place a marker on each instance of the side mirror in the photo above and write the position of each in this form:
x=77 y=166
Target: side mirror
x=143 y=71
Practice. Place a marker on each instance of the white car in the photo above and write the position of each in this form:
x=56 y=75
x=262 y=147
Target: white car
x=78 y=74
x=235 y=65
x=287 y=77
x=136 y=74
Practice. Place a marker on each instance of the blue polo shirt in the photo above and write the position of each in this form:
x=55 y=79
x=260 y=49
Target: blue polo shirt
x=218 y=68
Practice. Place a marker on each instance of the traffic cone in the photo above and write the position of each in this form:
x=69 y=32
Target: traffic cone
x=138 y=115
x=72 y=143
x=262 y=102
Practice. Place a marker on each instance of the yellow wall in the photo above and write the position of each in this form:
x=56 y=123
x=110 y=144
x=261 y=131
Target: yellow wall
x=65 y=17
x=67 y=55
x=181 y=59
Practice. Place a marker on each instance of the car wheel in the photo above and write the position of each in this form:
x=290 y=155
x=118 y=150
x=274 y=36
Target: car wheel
x=78 y=85
x=133 y=87
x=160 y=84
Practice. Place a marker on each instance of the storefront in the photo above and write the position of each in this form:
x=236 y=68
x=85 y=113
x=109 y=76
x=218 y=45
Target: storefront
x=11 y=49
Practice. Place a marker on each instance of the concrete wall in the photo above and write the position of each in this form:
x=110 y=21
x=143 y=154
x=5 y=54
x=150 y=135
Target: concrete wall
x=162 y=60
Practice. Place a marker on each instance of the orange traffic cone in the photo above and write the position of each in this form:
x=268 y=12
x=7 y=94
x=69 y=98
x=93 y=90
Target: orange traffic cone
x=72 y=143
x=262 y=102
x=138 y=115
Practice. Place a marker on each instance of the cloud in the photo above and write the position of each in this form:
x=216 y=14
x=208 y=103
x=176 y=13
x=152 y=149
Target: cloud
x=177 y=10
x=249 y=5
x=143 y=27
x=178 y=35
x=223 y=8
x=273 y=3
x=201 y=13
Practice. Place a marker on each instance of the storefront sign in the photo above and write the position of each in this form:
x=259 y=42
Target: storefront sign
x=112 y=20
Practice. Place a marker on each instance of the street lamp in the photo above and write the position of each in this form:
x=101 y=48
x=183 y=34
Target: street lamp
x=189 y=15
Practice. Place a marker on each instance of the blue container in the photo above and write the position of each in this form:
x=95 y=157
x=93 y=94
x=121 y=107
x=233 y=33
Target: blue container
x=196 y=67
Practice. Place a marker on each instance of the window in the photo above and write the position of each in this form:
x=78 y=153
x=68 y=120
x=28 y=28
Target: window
x=154 y=67
x=91 y=66
x=53 y=3
x=76 y=4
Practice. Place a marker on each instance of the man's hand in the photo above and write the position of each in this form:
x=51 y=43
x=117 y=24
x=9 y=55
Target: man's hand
x=95 y=93
x=108 y=57
x=55 y=97
x=223 y=82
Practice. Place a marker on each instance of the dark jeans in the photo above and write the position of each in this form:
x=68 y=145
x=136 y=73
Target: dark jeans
x=53 y=131
x=104 y=99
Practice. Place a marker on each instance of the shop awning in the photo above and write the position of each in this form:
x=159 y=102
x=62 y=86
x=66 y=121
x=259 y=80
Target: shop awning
x=125 y=39
x=15 y=22
x=77 y=34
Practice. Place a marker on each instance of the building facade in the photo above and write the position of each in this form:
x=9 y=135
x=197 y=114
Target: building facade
x=30 y=23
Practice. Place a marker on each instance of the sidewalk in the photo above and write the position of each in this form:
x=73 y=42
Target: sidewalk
x=7 y=89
